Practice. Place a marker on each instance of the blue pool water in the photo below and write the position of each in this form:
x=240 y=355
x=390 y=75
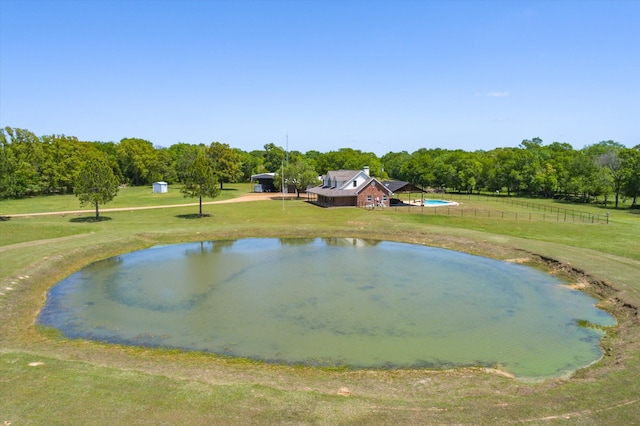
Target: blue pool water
x=435 y=202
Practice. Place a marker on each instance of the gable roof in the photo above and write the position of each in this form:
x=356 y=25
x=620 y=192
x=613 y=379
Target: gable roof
x=345 y=190
x=343 y=175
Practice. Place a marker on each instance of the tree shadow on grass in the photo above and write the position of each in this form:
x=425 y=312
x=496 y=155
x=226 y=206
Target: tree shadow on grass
x=4 y=218
x=89 y=219
x=192 y=216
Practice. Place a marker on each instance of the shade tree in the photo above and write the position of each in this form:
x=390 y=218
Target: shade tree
x=138 y=161
x=199 y=179
x=226 y=162
x=96 y=183
x=299 y=174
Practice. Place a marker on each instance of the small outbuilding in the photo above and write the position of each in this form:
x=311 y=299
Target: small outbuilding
x=263 y=182
x=160 y=187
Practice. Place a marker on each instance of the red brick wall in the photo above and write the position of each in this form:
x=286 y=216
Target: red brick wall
x=374 y=191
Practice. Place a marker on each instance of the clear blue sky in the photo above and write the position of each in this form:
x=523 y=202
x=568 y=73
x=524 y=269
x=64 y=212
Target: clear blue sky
x=377 y=76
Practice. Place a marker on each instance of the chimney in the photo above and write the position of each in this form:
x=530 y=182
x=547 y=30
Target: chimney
x=365 y=169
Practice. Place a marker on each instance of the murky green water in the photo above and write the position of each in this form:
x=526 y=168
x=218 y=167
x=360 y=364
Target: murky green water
x=333 y=302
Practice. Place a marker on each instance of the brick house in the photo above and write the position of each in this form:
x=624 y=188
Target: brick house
x=342 y=188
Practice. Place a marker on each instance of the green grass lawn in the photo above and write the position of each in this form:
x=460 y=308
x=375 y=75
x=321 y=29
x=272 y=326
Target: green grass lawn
x=80 y=382
x=136 y=196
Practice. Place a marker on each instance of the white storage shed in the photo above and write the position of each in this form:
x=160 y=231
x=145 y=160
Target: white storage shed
x=160 y=187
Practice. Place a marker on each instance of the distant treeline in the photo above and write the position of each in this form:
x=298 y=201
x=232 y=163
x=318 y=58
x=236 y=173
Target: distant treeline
x=32 y=165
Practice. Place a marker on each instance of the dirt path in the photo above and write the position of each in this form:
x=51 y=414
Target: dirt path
x=242 y=198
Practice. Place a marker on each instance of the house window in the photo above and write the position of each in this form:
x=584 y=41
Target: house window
x=355 y=183
x=368 y=198
x=384 y=198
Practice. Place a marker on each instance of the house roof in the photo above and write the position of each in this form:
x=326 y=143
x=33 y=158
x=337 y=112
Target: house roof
x=347 y=192
x=342 y=175
x=263 y=176
x=401 y=186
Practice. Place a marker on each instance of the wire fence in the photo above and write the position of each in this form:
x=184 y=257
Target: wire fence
x=453 y=210
x=539 y=212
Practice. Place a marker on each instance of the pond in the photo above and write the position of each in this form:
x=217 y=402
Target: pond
x=333 y=302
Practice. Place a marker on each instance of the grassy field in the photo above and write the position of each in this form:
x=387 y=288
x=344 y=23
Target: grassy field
x=46 y=379
x=139 y=196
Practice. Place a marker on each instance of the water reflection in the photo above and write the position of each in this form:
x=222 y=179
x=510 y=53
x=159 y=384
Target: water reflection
x=334 y=301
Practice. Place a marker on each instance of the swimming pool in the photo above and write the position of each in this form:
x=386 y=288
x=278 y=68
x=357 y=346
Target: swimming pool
x=436 y=203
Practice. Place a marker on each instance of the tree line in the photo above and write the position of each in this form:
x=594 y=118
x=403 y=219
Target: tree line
x=35 y=165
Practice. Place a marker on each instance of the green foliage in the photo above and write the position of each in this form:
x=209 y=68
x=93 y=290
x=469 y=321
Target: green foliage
x=348 y=159
x=200 y=179
x=63 y=159
x=138 y=160
x=300 y=174
x=21 y=160
x=96 y=184
x=393 y=162
x=31 y=165
x=631 y=173
x=227 y=163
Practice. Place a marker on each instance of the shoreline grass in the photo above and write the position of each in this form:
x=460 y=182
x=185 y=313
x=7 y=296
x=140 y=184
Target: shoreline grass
x=82 y=382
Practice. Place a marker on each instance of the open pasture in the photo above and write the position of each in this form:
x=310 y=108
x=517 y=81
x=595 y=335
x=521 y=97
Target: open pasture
x=48 y=379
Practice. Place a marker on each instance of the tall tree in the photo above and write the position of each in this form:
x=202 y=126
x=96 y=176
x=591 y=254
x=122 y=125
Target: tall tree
x=227 y=164
x=393 y=162
x=200 y=180
x=561 y=157
x=418 y=169
x=250 y=164
x=137 y=159
x=605 y=155
x=96 y=183
x=64 y=155
x=274 y=156
x=182 y=155
x=631 y=173
x=349 y=159
x=24 y=160
x=301 y=174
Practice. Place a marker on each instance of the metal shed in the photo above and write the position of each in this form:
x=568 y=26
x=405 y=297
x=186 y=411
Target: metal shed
x=263 y=182
x=160 y=187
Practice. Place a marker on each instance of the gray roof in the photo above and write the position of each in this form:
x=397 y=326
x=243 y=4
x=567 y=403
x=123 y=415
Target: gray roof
x=350 y=192
x=263 y=176
x=342 y=175
x=398 y=185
